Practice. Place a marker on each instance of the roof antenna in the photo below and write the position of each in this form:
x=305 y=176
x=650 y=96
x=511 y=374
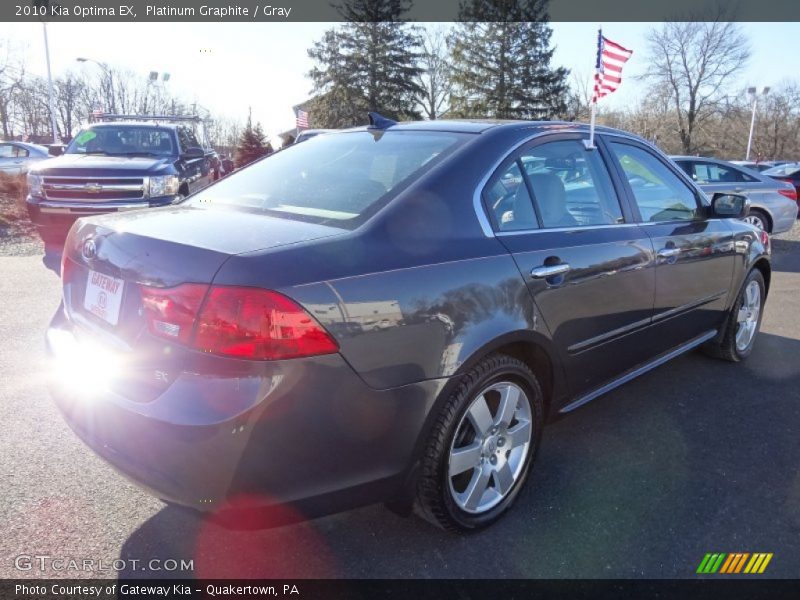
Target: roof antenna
x=377 y=121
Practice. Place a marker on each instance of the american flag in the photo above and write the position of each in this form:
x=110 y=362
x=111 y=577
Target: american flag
x=301 y=120
x=610 y=59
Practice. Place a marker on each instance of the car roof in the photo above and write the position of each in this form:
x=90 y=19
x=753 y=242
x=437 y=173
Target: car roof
x=25 y=144
x=134 y=123
x=481 y=125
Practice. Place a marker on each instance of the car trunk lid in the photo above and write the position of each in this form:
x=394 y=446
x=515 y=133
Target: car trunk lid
x=110 y=260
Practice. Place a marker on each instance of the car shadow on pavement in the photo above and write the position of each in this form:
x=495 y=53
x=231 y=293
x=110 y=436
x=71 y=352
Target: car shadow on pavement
x=786 y=255
x=52 y=257
x=699 y=455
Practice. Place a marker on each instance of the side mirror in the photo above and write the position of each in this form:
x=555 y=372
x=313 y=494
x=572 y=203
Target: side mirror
x=193 y=152
x=729 y=206
x=55 y=149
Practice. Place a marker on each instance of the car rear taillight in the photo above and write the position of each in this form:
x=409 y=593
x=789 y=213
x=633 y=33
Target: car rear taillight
x=67 y=268
x=259 y=325
x=171 y=312
x=240 y=322
x=790 y=193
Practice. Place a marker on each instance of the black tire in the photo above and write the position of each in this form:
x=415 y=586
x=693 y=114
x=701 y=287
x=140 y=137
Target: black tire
x=434 y=501
x=763 y=217
x=724 y=346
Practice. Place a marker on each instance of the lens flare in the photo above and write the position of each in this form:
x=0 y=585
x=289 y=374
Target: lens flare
x=82 y=368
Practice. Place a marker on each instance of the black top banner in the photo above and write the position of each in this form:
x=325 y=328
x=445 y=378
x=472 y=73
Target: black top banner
x=598 y=11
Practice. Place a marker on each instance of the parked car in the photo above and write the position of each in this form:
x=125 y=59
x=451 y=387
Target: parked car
x=17 y=157
x=773 y=205
x=753 y=166
x=118 y=166
x=307 y=134
x=788 y=173
x=223 y=353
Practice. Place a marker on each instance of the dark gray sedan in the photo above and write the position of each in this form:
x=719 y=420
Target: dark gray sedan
x=17 y=157
x=773 y=204
x=392 y=313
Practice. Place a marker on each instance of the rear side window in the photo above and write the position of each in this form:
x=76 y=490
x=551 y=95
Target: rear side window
x=659 y=193
x=705 y=172
x=508 y=199
x=339 y=179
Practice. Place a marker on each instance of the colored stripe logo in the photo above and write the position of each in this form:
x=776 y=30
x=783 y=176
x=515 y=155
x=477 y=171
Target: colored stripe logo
x=735 y=562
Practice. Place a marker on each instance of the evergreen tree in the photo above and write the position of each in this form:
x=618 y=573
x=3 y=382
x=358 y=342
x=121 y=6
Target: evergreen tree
x=252 y=144
x=367 y=64
x=501 y=57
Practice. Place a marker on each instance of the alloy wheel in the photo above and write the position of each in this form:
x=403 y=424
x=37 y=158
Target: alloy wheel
x=755 y=220
x=747 y=317
x=490 y=447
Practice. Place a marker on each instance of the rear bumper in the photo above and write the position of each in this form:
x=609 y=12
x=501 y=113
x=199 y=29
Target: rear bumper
x=783 y=213
x=306 y=434
x=59 y=215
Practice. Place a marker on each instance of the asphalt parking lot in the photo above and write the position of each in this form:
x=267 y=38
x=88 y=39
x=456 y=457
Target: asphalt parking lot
x=698 y=456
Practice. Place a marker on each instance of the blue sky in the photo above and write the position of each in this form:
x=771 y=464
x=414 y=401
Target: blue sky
x=232 y=66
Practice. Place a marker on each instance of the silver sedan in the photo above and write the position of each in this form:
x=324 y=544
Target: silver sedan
x=17 y=157
x=773 y=204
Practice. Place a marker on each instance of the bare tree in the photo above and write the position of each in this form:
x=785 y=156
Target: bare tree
x=579 y=97
x=434 y=81
x=694 y=61
x=70 y=103
x=12 y=74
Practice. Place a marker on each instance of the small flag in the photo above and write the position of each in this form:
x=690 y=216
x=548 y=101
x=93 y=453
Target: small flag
x=98 y=110
x=301 y=120
x=608 y=69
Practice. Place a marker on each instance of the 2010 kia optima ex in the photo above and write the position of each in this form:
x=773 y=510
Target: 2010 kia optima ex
x=392 y=313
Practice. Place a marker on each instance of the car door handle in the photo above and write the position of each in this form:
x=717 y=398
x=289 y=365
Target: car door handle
x=668 y=252
x=544 y=272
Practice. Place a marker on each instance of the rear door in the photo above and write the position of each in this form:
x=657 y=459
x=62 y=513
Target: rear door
x=11 y=158
x=695 y=253
x=588 y=267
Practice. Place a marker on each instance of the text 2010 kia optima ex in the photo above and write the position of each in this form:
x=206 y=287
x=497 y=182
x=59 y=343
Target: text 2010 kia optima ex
x=392 y=313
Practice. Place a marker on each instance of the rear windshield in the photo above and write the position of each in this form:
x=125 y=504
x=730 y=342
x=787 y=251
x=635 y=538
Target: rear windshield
x=338 y=179
x=783 y=170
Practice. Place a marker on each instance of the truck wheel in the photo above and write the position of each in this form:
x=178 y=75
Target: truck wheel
x=482 y=445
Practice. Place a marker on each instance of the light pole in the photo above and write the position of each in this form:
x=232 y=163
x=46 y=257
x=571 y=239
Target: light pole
x=752 y=92
x=50 y=93
x=108 y=74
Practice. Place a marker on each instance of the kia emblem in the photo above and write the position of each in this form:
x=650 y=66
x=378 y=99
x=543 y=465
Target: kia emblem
x=89 y=249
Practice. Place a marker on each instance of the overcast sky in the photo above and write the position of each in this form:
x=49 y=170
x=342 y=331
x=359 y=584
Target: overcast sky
x=228 y=67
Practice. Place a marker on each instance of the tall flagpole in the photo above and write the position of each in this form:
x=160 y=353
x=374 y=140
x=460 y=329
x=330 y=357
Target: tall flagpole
x=595 y=90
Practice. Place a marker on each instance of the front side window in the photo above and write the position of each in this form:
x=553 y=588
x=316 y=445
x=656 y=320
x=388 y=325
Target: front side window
x=188 y=138
x=659 y=193
x=123 y=140
x=336 y=179
x=7 y=151
x=571 y=186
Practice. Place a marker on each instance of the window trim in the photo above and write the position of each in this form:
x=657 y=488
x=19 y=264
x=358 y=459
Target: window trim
x=483 y=210
x=699 y=196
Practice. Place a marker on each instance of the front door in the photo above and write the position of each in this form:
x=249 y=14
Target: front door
x=695 y=253
x=589 y=268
